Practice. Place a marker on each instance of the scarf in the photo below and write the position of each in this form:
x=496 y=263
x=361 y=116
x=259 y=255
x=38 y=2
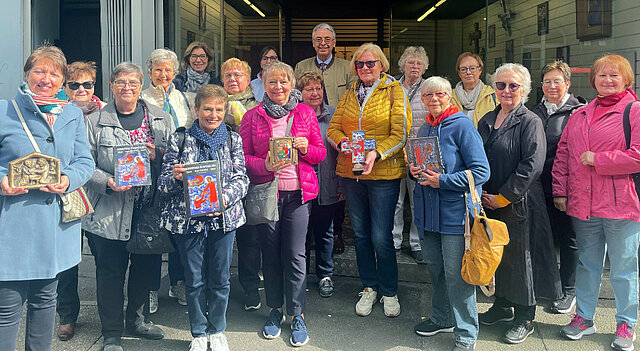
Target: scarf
x=469 y=100
x=611 y=100
x=51 y=107
x=212 y=143
x=195 y=80
x=362 y=91
x=167 y=104
x=553 y=108
x=237 y=107
x=278 y=111
x=434 y=121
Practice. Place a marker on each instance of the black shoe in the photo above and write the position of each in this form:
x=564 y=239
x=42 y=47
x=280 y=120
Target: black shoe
x=565 y=304
x=429 y=328
x=146 y=330
x=252 y=301
x=417 y=255
x=338 y=244
x=495 y=315
x=111 y=344
x=518 y=332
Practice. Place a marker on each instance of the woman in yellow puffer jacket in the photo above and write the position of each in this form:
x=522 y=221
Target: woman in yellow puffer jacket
x=377 y=105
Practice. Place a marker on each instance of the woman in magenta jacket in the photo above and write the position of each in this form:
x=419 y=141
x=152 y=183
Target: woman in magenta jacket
x=283 y=242
x=592 y=182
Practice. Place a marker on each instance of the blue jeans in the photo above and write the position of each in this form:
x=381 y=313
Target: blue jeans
x=620 y=238
x=40 y=297
x=371 y=206
x=454 y=300
x=206 y=263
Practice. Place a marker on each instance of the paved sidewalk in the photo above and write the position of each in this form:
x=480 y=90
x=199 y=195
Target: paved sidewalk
x=332 y=322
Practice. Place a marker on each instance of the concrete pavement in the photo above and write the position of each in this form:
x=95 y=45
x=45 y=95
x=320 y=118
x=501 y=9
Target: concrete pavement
x=332 y=322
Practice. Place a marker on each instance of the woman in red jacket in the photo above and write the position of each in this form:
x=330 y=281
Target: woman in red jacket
x=283 y=242
x=592 y=182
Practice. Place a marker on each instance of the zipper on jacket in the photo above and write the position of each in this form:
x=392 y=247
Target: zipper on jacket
x=615 y=198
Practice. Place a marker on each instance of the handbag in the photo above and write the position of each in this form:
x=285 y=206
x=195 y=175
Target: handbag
x=483 y=244
x=75 y=204
x=261 y=201
x=148 y=239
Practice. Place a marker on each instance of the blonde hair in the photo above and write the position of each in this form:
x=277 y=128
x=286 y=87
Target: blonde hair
x=278 y=67
x=620 y=63
x=375 y=50
x=237 y=64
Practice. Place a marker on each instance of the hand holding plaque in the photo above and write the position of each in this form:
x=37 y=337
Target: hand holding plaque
x=34 y=171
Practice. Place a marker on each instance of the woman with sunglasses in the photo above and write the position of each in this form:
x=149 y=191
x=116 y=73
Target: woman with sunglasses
x=376 y=105
x=267 y=56
x=515 y=145
x=197 y=68
x=593 y=183
x=471 y=95
x=81 y=79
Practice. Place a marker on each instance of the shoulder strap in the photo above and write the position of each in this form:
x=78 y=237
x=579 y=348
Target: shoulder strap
x=185 y=100
x=181 y=136
x=626 y=123
x=24 y=125
x=493 y=96
x=289 y=124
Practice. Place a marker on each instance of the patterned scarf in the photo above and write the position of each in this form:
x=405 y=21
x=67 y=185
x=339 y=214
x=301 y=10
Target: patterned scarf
x=212 y=143
x=611 y=100
x=167 y=104
x=278 y=111
x=195 y=80
x=434 y=121
x=362 y=91
x=51 y=107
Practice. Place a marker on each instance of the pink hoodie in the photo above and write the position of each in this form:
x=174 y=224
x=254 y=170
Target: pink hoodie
x=606 y=189
x=255 y=131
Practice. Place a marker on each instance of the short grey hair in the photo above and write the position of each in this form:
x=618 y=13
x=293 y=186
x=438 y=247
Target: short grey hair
x=127 y=67
x=163 y=55
x=436 y=84
x=417 y=52
x=521 y=73
x=278 y=67
x=322 y=26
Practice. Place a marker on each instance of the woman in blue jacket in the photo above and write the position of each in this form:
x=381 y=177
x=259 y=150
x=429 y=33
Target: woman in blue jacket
x=440 y=213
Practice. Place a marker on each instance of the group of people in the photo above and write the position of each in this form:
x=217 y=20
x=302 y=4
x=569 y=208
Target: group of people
x=561 y=170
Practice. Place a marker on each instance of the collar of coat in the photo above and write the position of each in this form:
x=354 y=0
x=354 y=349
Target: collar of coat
x=25 y=101
x=590 y=108
x=109 y=116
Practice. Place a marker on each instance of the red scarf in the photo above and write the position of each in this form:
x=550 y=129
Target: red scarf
x=97 y=101
x=613 y=99
x=434 y=121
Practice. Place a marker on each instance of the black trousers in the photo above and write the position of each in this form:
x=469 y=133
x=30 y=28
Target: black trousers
x=565 y=237
x=112 y=260
x=68 y=305
x=248 y=258
x=522 y=313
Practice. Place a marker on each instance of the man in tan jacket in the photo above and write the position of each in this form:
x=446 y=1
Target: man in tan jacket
x=335 y=71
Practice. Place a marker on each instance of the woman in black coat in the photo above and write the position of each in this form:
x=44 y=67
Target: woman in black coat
x=515 y=145
x=554 y=110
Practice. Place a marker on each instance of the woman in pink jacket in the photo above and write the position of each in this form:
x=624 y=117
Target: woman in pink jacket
x=283 y=242
x=592 y=182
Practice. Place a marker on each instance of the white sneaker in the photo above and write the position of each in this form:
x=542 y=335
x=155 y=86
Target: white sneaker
x=368 y=298
x=391 y=305
x=218 y=342
x=153 y=301
x=198 y=344
x=178 y=291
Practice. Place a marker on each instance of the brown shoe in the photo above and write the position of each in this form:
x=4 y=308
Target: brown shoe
x=66 y=331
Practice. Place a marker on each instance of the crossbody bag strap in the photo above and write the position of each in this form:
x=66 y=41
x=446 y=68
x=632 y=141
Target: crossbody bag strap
x=24 y=125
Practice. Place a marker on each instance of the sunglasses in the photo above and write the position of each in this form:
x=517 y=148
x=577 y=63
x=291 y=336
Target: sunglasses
x=513 y=87
x=370 y=64
x=76 y=85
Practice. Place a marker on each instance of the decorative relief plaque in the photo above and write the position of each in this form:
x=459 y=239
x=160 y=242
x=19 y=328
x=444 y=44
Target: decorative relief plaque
x=34 y=171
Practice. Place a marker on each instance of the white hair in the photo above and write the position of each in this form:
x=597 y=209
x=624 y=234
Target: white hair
x=162 y=55
x=436 y=84
x=521 y=73
x=323 y=26
x=417 y=52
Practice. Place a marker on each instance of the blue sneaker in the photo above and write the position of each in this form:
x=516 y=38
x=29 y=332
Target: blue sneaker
x=271 y=329
x=299 y=336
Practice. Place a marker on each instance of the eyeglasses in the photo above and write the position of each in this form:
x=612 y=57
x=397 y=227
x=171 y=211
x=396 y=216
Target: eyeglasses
x=548 y=82
x=471 y=69
x=513 y=87
x=76 y=85
x=312 y=90
x=270 y=58
x=325 y=39
x=237 y=76
x=370 y=64
x=439 y=95
x=122 y=83
x=195 y=57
